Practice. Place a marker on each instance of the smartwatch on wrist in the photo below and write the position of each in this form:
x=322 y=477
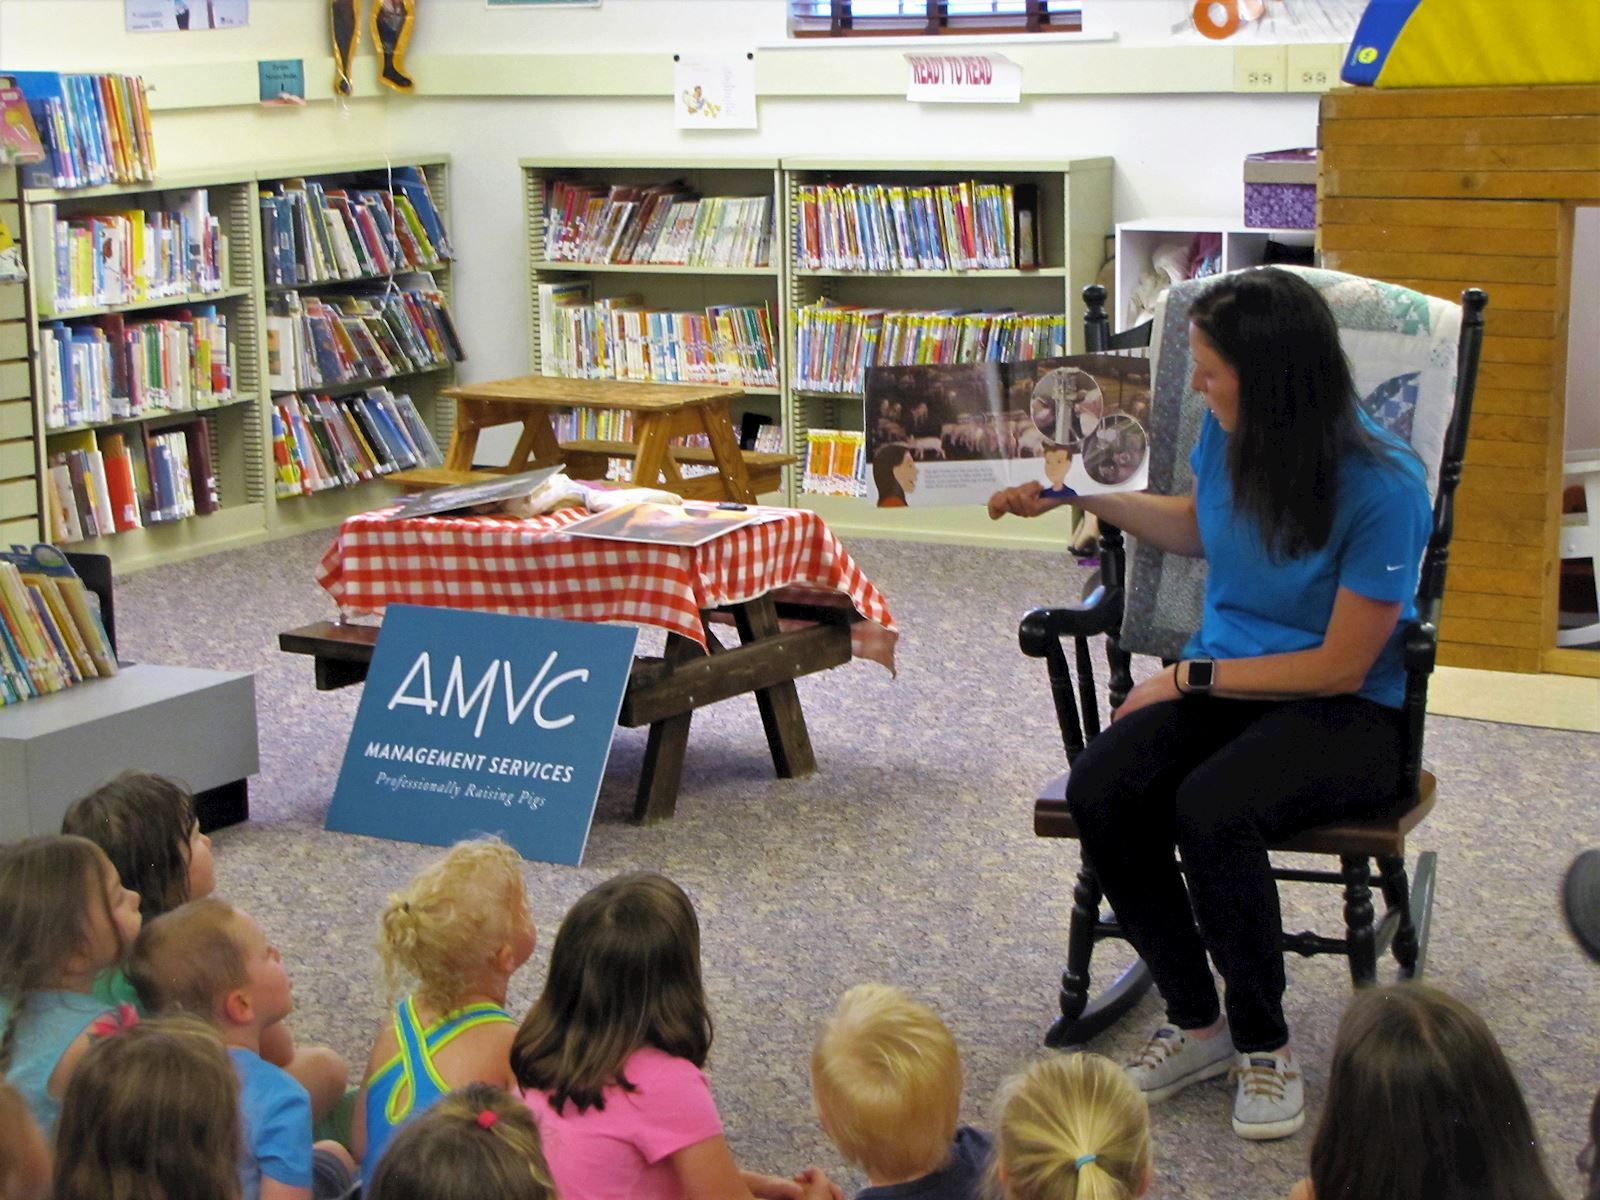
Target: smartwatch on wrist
x=1194 y=676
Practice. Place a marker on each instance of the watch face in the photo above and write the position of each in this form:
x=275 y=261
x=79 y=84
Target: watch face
x=1200 y=672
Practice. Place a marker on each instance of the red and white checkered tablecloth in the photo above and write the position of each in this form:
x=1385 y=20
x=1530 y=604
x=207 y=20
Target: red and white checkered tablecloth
x=511 y=565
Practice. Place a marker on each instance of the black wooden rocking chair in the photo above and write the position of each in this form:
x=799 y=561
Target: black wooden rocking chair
x=1127 y=607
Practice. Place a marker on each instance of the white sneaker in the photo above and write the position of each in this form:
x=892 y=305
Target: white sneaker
x=1271 y=1100
x=1172 y=1059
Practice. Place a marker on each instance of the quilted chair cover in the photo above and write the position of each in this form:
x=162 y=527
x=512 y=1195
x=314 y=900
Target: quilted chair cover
x=1402 y=350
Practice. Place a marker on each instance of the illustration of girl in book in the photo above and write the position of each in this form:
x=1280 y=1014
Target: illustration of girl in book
x=894 y=473
x=392 y=22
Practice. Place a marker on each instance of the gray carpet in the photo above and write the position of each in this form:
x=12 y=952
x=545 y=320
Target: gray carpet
x=908 y=857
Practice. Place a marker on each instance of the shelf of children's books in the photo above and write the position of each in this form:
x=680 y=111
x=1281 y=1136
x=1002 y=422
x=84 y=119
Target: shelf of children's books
x=155 y=414
x=228 y=293
x=974 y=273
x=342 y=488
x=357 y=385
x=168 y=541
x=771 y=272
x=178 y=182
x=820 y=394
x=355 y=280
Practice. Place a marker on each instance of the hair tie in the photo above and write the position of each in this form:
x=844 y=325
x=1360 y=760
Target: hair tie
x=487 y=1118
x=1083 y=1160
x=118 y=1020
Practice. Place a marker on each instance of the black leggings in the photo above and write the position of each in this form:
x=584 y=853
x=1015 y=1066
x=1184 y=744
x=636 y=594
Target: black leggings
x=1219 y=779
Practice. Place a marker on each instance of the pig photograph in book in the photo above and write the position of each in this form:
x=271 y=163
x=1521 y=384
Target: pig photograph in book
x=957 y=431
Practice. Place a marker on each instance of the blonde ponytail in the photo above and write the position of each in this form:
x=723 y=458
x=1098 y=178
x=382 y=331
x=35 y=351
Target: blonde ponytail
x=1073 y=1127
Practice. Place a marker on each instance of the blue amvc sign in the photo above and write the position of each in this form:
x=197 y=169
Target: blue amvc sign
x=482 y=723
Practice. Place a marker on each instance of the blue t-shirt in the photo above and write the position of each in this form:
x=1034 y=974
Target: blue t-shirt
x=961 y=1177
x=49 y=1024
x=1255 y=606
x=276 y=1113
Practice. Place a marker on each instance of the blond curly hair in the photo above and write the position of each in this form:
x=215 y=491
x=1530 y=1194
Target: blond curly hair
x=439 y=932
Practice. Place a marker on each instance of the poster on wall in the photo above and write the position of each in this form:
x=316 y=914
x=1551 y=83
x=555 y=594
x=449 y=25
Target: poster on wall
x=714 y=91
x=182 y=16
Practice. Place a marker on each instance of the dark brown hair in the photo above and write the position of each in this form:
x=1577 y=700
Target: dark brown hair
x=884 y=464
x=151 y=1114
x=624 y=973
x=143 y=822
x=454 y=1151
x=189 y=959
x=1298 y=414
x=48 y=889
x=1422 y=1105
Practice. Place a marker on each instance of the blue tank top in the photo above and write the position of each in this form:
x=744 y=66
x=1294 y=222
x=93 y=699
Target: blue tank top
x=408 y=1084
x=49 y=1023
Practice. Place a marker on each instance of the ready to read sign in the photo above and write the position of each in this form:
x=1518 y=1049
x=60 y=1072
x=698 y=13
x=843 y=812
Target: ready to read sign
x=483 y=723
x=964 y=78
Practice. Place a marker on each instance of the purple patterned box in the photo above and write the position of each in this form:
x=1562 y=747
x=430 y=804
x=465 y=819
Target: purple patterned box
x=1280 y=189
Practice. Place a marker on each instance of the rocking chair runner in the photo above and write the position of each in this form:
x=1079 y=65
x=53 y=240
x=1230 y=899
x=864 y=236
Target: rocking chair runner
x=1150 y=605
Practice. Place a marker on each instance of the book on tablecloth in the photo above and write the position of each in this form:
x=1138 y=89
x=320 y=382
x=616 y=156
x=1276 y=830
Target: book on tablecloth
x=689 y=524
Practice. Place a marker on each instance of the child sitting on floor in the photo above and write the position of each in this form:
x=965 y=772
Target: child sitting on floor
x=1072 y=1127
x=147 y=826
x=886 y=1078
x=457 y=933
x=476 y=1142
x=207 y=958
x=152 y=1111
x=1422 y=1105
x=64 y=919
x=610 y=1056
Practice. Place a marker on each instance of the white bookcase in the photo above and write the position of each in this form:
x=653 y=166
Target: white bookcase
x=1136 y=241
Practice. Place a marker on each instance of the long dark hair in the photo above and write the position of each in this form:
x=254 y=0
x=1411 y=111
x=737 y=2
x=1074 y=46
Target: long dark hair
x=49 y=888
x=884 y=463
x=144 y=823
x=624 y=973
x=1298 y=416
x=1422 y=1105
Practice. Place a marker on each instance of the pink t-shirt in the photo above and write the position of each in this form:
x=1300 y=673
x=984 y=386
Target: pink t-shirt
x=620 y=1152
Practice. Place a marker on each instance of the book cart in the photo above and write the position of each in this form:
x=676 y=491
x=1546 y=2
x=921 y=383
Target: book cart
x=1073 y=217
x=669 y=287
x=239 y=424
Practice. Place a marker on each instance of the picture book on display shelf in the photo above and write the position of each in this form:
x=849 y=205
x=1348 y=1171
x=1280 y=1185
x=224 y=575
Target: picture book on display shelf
x=51 y=635
x=953 y=434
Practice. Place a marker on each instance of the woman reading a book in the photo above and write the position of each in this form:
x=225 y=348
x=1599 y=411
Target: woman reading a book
x=1284 y=712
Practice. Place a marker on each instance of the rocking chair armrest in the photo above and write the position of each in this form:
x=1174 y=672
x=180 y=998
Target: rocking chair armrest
x=1419 y=641
x=1100 y=612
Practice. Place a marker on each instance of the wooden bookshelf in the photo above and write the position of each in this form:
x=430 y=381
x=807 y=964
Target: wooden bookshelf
x=20 y=519
x=680 y=288
x=1074 y=219
x=240 y=426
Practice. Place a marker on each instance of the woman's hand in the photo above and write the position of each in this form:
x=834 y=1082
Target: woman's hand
x=1155 y=690
x=1021 y=501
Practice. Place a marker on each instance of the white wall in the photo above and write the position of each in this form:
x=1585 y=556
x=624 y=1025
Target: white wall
x=1583 y=335
x=1175 y=154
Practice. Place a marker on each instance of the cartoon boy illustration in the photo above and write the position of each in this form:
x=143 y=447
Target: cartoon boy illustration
x=1057 y=462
